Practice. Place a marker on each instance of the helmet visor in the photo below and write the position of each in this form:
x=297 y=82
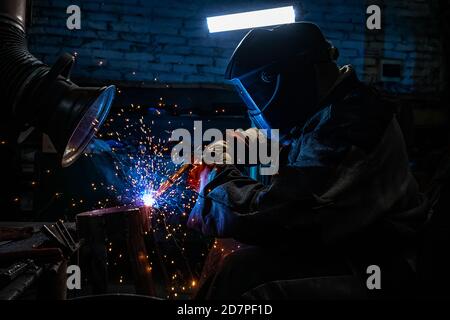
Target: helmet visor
x=254 y=111
x=257 y=88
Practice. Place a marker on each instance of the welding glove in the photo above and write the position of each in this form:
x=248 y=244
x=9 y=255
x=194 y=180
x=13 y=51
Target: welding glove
x=220 y=152
x=199 y=176
x=203 y=173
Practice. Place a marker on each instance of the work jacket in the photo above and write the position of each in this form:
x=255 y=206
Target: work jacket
x=345 y=179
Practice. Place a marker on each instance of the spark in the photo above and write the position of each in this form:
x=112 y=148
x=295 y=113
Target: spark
x=141 y=165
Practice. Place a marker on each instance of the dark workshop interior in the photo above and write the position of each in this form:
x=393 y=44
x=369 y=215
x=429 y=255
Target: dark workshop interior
x=85 y=143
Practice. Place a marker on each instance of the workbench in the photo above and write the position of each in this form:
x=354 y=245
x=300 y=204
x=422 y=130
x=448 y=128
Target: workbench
x=43 y=278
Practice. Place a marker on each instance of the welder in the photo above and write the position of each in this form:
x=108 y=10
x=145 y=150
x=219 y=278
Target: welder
x=344 y=197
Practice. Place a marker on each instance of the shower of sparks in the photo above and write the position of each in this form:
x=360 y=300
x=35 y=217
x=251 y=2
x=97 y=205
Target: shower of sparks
x=133 y=163
x=141 y=163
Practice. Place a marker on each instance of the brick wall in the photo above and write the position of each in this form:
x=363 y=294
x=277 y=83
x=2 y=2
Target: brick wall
x=167 y=41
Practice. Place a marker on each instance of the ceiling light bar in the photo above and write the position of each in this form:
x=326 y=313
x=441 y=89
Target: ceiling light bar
x=252 y=19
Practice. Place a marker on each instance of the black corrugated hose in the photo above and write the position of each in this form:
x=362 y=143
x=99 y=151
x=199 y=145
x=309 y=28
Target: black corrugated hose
x=20 y=71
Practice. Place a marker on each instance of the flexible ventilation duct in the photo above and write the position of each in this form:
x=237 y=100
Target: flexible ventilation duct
x=37 y=95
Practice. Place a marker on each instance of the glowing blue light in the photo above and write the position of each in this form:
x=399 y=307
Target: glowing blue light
x=148 y=199
x=253 y=19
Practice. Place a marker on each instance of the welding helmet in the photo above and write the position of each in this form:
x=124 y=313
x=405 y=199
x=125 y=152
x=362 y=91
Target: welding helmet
x=274 y=72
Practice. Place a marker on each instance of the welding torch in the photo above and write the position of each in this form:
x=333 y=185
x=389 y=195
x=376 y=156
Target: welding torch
x=175 y=176
x=172 y=179
x=186 y=167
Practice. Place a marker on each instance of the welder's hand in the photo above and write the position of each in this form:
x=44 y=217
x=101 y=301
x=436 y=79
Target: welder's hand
x=219 y=153
x=221 y=150
x=201 y=174
x=251 y=134
x=198 y=176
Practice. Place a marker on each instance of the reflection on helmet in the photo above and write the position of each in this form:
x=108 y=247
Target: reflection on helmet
x=258 y=89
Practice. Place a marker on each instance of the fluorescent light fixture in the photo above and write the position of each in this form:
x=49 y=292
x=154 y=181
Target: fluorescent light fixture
x=252 y=19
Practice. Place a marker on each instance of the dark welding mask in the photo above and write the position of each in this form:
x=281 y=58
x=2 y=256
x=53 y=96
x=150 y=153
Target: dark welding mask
x=273 y=70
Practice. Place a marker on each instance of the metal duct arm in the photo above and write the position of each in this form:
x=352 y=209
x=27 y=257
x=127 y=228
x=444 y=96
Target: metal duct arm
x=34 y=94
x=15 y=10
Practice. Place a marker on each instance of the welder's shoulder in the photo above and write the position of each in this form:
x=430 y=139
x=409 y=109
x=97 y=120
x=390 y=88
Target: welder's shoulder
x=366 y=101
x=364 y=115
x=359 y=119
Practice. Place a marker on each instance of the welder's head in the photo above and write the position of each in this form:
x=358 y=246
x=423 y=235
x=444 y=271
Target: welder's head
x=283 y=74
